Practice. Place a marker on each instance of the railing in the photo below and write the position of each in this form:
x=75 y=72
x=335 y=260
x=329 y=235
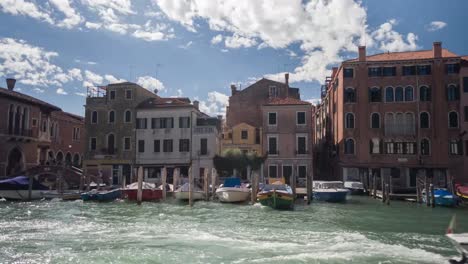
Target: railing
x=17 y=132
x=110 y=151
x=204 y=130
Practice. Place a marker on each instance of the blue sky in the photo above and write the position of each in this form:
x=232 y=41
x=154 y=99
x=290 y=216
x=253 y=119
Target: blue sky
x=197 y=48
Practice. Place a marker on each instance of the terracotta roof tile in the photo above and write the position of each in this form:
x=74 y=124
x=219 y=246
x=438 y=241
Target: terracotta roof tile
x=407 y=55
x=27 y=99
x=286 y=101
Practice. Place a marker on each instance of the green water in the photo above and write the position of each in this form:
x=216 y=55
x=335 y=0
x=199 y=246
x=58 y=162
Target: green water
x=360 y=231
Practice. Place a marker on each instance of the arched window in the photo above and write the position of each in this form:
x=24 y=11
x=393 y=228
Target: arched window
x=424 y=94
x=18 y=120
x=389 y=123
x=350 y=95
x=399 y=125
x=128 y=116
x=375 y=120
x=349 y=120
x=111 y=117
x=389 y=94
x=409 y=94
x=375 y=95
x=424 y=120
x=455 y=147
x=399 y=94
x=25 y=120
x=76 y=160
x=349 y=146
x=94 y=117
x=59 y=158
x=453 y=119
x=110 y=144
x=68 y=159
x=425 y=147
x=453 y=94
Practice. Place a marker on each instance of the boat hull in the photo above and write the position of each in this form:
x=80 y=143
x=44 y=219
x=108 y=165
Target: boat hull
x=353 y=191
x=328 y=196
x=232 y=195
x=21 y=194
x=276 y=200
x=101 y=196
x=181 y=195
x=442 y=201
x=147 y=194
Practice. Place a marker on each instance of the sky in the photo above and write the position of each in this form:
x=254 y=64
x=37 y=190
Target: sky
x=198 y=48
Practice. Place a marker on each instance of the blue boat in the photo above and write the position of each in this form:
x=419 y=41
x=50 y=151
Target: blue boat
x=101 y=196
x=329 y=191
x=442 y=197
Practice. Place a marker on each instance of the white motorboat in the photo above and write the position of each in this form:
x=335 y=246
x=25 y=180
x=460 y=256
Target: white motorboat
x=354 y=187
x=329 y=191
x=182 y=193
x=17 y=188
x=232 y=191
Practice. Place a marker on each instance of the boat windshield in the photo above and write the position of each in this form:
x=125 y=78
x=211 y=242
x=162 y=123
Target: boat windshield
x=271 y=187
x=329 y=185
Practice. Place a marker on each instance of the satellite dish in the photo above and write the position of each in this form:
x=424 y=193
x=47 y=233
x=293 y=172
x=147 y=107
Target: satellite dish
x=156 y=91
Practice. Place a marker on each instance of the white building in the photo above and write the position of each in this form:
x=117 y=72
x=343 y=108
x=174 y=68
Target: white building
x=173 y=133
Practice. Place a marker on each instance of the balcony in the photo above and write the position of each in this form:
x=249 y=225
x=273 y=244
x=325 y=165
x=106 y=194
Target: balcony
x=203 y=130
x=18 y=134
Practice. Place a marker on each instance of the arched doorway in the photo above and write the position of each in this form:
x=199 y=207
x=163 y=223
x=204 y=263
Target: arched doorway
x=68 y=159
x=59 y=158
x=110 y=144
x=76 y=160
x=15 y=162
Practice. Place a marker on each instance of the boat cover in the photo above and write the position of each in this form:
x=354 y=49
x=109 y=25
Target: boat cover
x=232 y=182
x=20 y=183
x=185 y=188
x=442 y=193
x=462 y=189
x=145 y=185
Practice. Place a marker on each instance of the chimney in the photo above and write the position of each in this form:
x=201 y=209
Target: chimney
x=437 y=49
x=362 y=53
x=233 y=89
x=11 y=83
x=196 y=104
x=286 y=79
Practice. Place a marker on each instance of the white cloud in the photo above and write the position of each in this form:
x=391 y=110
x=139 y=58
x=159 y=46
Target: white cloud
x=92 y=78
x=148 y=36
x=215 y=104
x=21 y=7
x=237 y=41
x=217 y=39
x=179 y=93
x=187 y=45
x=150 y=83
x=80 y=94
x=92 y=25
x=436 y=25
x=75 y=74
x=72 y=18
x=314 y=101
x=390 y=40
x=112 y=79
x=61 y=91
x=38 y=90
x=123 y=7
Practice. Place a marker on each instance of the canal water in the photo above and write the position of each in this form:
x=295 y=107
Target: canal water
x=361 y=231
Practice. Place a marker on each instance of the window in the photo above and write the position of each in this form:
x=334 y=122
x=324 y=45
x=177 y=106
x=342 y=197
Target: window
x=452 y=68
x=348 y=73
x=455 y=147
x=126 y=143
x=272 y=119
x=424 y=94
x=375 y=95
x=399 y=97
x=375 y=120
x=184 y=122
x=424 y=69
x=301 y=145
x=409 y=125
x=374 y=71
x=389 y=94
x=424 y=120
x=111 y=117
x=453 y=94
x=244 y=134
x=34 y=122
x=465 y=84
x=409 y=94
x=389 y=71
x=425 y=147
x=389 y=123
x=350 y=95
x=184 y=145
x=399 y=148
x=374 y=146
x=257 y=136
x=301 y=118
x=466 y=113
x=273 y=91
x=272 y=146
x=92 y=143
x=167 y=145
x=349 y=123
x=76 y=133
x=94 y=117
x=389 y=147
x=128 y=94
x=112 y=94
x=273 y=171
x=156 y=145
x=141 y=146
x=349 y=146
x=141 y=123
x=302 y=171
x=167 y=122
x=203 y=146
x=128 y=116
x=409 y=70
x=453 y=120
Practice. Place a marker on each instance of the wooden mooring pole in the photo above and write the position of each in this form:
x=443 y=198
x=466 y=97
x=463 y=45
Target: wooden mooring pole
x=382 y=180
x=30 y=185
x=214 y=176
x=293 y=181
x=426 y=186
x=175 y=180
x=309 y=187
x=206 y=186
x=164 y=182
x=190 y=178
x=140 y=185
x=432 y=195
x=387 y=195
x=255 y=182
x=374 y=185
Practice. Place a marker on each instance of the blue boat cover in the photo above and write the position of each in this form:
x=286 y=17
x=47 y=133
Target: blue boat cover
x=442 y=192
x=20 y=183
x=232 y=182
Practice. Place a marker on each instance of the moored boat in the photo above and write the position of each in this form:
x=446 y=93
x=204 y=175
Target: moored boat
x=329 y=191
x=182 y=193
x=354 y=187
x=101 y=196
x=277 y=196
x=232 y=191
x=149 y=192
x=17 y=188
x=462 y=192
x=442 y=197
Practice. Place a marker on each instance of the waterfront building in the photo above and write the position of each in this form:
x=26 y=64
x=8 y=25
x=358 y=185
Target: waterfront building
x=173 y=133
x=287 y=133
x=242 y=136
x=110 y=135
x=397 y=114
x=34 y=132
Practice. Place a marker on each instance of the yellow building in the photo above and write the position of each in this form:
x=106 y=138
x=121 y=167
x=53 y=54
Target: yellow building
x=244 y=137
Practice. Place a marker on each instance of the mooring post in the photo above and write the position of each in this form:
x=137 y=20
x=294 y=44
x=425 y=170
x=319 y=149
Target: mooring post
x=426 y=185
x=253 y=193
x=175 y=180
x=432 y=195
x=213 y=182
x=293 y=181
x=387 y=188
x=30 y=185
x=190 y=179
x=205 y=184
x=374 y=185
x=140 y=185
x=309 y=187
x=163 y=181
x=382 y=180
x=124 y=182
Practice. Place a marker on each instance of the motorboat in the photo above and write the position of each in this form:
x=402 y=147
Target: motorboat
x=354 y=187
x=182 y=193
x=149 y=192
x=17 y=188
x=232 y=191
x=101 y=196
x=329 y=191
x=442 y=197
x=276 y=195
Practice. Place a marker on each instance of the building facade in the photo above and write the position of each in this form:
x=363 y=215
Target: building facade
x=110 y=130
x=172 y=133
x=242 y=136
x=392 y=114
